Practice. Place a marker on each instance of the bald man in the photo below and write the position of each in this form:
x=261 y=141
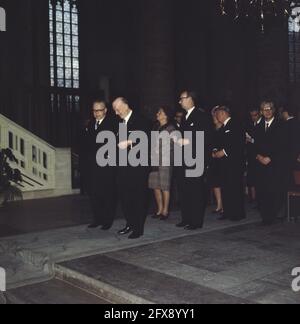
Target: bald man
x=132 y=181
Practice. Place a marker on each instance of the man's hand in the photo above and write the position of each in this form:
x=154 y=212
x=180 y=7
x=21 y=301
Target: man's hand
x=218 y=154
x=264 y=160
x=183 y=142
x=124 y=145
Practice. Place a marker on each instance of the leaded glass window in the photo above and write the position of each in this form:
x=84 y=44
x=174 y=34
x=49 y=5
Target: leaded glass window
x=294 y=44
x=64 y=43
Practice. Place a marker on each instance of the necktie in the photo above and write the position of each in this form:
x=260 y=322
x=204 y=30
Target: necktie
x=97 y=125
x=267 y=126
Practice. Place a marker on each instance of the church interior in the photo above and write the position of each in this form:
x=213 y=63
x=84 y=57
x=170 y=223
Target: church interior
x=56 y=58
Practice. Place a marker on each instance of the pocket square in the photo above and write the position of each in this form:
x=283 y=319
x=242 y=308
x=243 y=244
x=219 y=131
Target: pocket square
x=228 y=131
x=192 y=124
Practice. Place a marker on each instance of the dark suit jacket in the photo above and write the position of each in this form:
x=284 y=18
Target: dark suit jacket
x=198 y=121
x=251 y=129
x=108 y=124
x=90 y=171
x=271 y=144
x=233 y=143
x=136 y=123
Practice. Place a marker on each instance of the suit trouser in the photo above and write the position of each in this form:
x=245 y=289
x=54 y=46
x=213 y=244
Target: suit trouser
x=233 y=195
x=103 y=198
x=193 y=199
x=132 y=187
x=271 y=194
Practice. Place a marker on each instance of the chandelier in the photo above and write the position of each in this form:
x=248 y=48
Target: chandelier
x=259 y=10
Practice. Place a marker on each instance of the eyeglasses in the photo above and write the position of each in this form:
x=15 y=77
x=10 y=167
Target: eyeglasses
x=267 y=109
x=98 y=110
x=182 y=98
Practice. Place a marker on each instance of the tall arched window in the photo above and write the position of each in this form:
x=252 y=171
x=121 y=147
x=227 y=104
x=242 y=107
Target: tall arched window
x=64 y=43
x=294 y=43
x=64 y=93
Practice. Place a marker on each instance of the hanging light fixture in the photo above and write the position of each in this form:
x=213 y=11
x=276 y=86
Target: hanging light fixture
x=258 y=10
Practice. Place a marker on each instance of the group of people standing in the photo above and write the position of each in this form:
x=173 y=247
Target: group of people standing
x=268 y=154
x=224 y=159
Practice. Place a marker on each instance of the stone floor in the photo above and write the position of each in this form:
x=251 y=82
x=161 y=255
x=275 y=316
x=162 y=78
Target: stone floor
x=52 y=292
x=223 y=263
x=242 y=264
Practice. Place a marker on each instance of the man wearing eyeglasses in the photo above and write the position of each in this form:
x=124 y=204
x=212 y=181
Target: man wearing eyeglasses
x=102 y=184
x=192 y=191
x=269 y=148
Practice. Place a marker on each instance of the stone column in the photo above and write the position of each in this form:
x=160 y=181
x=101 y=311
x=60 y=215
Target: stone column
x=157 y=54
x=272 y=52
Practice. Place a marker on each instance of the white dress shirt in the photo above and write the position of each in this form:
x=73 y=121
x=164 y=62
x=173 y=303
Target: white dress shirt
x=189 y=113
x=269 y=123
x=98 y=123
x=126 y=119
x=225 y=124
x=258 y=122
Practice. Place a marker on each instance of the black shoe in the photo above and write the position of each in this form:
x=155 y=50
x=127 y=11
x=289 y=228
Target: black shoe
x=156 y=216
x=106 y=227
x=134 y=236
x=238 y=219
x=164 y=217
x=125 y=231
x=218 y=212
x=222 y=218
x=192 y=227
x=182 y=224
x=94 y=225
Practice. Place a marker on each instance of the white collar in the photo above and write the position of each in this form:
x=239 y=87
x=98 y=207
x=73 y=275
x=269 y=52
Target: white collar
x=189 y=112
x=227 y=121
x=259 y=121
x=99 y=121
x=290 y=118
x=126 y=119
x=270 y=122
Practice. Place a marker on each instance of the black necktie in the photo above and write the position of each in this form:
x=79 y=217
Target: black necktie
x=267 y=127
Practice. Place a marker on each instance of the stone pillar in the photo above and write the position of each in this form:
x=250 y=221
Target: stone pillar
x=273 y=67
x=157 y=54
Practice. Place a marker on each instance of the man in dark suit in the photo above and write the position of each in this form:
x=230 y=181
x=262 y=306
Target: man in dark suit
x=102 y=184
x=232 y=159
x=179 y=116
x=132 y=181
x=269 y=146
x=192 y=190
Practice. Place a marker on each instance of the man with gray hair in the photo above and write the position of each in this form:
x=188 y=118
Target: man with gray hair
x=232 y=159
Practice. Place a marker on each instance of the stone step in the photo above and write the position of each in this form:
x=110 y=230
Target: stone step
x=52 y=292
x=97 y=287
x=125 y=283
